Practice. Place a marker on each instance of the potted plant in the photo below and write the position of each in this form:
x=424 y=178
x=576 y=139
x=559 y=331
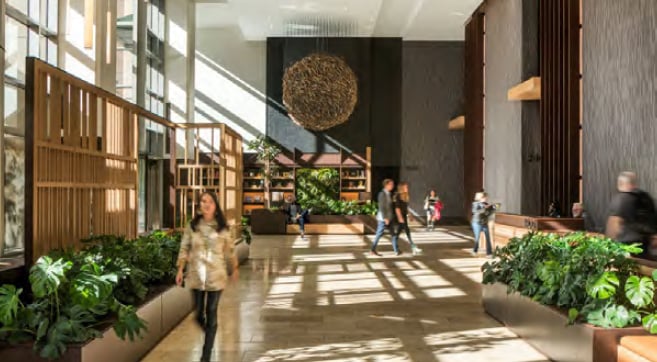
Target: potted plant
x=266 y=152
x=76 y=297
x=542 y=282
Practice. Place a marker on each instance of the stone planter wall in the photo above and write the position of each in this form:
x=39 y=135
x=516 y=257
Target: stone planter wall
x=547 y=328
x=162 y=314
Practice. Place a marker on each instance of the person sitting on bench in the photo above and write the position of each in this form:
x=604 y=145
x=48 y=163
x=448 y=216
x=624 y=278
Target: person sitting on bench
x=295 y=214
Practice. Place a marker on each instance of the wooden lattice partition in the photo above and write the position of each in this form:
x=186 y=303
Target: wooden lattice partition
x=559 y=36
x=81 y=150
x=211 y=161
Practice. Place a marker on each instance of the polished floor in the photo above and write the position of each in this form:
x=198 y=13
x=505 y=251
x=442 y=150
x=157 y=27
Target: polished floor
x=327 y=299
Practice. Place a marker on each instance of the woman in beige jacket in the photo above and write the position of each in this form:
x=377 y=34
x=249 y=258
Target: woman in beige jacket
x=205 y=245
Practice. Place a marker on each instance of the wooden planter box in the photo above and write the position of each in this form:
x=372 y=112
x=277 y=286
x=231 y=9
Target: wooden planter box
x=547 y=329
x=162 y=313
x=508 y=226
x=267 y=222
x=369 y=221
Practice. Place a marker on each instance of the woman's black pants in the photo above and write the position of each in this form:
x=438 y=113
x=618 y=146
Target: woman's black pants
x=206 y=304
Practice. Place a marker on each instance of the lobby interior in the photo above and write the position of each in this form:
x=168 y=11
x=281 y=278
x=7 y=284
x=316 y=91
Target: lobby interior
x=120 y=114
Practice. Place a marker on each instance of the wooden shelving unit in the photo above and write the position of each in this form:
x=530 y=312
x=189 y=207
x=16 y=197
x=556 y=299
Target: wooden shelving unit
x=457 y=124
x=354 y=170
x=355 y=176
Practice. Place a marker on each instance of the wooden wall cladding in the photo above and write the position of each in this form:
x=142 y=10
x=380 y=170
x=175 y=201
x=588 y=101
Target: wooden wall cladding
x=559 y=34
x=81 y=161
x=211 y=162
x=473 y=138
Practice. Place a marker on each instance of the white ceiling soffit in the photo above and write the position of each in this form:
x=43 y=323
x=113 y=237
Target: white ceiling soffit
x=409 y=19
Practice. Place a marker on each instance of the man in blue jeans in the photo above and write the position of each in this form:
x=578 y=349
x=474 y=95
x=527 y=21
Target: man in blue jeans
x=385 y=217
x=481 y=211
x=295 y=215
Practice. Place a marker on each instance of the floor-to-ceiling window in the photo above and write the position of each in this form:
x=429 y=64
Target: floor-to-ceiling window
x=152 y=150
x=30 y=30
x=155 y=45
x=126 y=51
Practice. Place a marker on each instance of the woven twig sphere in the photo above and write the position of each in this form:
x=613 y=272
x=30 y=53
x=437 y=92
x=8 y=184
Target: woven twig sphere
x=320 y=91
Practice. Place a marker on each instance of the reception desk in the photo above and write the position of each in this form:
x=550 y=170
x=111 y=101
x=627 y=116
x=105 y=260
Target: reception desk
x=507 y=226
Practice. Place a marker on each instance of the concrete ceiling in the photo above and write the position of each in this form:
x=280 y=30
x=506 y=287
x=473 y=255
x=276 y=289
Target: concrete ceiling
x=409 y=19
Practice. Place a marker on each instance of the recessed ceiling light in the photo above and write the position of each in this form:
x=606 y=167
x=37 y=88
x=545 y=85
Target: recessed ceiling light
x=457 y=13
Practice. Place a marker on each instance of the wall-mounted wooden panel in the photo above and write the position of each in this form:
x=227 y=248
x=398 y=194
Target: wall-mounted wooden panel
x=81 y=161
x=560 y=93
x=473 y=136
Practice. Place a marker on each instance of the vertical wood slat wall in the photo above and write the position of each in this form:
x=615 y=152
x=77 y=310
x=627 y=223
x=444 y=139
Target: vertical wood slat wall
x=560 y=101
x=212 y=162
x=474 y=107
x=81 y=161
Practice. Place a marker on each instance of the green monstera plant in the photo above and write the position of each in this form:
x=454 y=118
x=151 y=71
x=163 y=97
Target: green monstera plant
x=74 y=293
x=594 y=278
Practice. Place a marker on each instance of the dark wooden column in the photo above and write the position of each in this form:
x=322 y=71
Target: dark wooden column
x=473 y=139
x=560 y=102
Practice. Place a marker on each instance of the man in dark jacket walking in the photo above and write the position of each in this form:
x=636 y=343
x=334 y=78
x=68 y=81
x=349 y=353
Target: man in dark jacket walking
x=632 y=216
x=385 y=216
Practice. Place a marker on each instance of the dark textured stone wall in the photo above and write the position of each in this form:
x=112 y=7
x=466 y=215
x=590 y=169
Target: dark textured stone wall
x=503 y=119
x=432 y=94
x=376 y=120
x=619 y=95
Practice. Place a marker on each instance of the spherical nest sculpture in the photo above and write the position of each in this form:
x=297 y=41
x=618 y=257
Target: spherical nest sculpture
x=320 y=91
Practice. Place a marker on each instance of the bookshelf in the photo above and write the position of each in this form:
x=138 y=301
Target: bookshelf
x=355 y=175
x=354 y=171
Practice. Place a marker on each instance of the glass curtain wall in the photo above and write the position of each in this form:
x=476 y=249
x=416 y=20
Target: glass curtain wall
x=151 y=164
x=30 y=30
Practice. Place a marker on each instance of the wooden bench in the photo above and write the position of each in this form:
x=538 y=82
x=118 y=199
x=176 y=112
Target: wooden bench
x=638 y=349
x=346 y=229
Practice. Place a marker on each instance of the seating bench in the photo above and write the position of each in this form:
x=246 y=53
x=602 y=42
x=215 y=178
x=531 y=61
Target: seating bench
x=345 y=229
x=638 y=349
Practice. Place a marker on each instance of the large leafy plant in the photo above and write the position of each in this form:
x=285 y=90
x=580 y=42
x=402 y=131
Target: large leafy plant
x=74 y=293
x=319 y=190
x=592 y=277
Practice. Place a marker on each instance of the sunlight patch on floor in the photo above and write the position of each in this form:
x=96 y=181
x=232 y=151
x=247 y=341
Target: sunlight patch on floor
x=486 y=344
x=387 y=349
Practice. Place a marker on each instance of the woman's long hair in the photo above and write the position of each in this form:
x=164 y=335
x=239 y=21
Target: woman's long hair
x=218 y=214
x=403 y=195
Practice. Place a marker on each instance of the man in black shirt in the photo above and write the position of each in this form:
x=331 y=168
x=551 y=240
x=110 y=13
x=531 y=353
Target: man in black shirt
x=631 y=214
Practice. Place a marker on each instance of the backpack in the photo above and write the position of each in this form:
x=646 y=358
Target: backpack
x=646 y=216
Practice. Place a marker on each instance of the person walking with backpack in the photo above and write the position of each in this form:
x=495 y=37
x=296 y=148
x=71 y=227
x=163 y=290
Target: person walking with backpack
x=632 y=217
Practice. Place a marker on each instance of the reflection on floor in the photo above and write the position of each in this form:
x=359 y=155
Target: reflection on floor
x=326 y=299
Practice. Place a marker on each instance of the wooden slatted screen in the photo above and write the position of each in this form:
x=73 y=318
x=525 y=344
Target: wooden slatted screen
x=231 y=152
x=474 y=109
x=81 y=161
x=212 y=162
x=560 y=91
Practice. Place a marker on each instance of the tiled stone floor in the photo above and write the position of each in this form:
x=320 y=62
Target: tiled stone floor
x=326 y=299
